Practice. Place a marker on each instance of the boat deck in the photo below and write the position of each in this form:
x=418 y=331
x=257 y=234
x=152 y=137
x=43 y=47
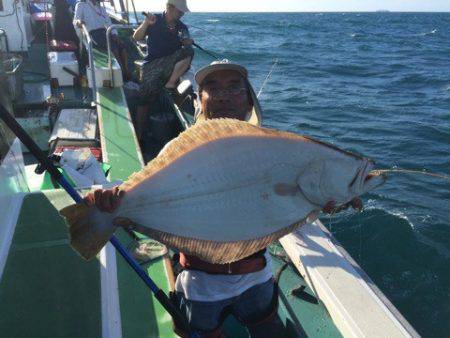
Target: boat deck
x=46 y=289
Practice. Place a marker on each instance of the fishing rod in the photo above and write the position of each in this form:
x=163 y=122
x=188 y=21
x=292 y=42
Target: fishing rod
x=159 y=294
x=267 y=77
x=205 y=51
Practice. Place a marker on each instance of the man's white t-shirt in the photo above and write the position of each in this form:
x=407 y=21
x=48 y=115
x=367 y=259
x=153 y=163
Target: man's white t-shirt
x=94 y=16
x=201 y=286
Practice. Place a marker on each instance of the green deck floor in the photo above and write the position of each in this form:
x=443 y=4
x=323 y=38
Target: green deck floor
x=301 y=317
x=46 y=289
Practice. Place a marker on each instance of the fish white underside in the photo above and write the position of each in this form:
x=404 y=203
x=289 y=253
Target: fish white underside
x=232 y=190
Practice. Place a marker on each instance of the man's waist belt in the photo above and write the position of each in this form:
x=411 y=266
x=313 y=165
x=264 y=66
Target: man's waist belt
x=253 y=263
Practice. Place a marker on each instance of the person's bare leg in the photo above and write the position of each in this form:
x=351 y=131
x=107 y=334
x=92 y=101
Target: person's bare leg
x=140 y=122
x=179 y=69
x=124 y=58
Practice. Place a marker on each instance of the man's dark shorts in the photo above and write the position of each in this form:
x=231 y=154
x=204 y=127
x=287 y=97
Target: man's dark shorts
x=157 y=72
x=252 y=306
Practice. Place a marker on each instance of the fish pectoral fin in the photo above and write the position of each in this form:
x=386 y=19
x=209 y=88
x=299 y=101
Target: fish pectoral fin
x=283 y=177
x=89 y=229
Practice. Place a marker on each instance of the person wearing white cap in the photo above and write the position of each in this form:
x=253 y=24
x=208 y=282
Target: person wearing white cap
x=220 y=85
x=168 y=46
x=169 y=54
x=207 y=292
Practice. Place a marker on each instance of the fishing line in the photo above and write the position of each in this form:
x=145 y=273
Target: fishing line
x=411 y=171
x=330 y=225
x=267 y=77
x=211 y=33
x=360 y=243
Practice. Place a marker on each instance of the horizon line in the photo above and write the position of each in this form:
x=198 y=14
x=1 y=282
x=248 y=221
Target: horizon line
x=325 y=11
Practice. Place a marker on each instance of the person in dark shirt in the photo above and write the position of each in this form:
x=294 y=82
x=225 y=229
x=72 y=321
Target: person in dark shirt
x=169 y=56
x=169 y=46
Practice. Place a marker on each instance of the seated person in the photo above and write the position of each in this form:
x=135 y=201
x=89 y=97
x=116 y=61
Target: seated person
x=96 y=20
x=166 y=36
x=169 y=55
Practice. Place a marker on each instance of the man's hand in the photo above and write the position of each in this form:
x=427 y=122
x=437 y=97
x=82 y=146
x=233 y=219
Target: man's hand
x=105 y=200
x=140 y=32
x=150 y=19
x=187 y=42
x=330 y=207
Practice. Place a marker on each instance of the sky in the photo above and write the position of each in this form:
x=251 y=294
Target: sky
x=302 y=5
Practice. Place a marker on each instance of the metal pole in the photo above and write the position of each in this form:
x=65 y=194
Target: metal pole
x=135 y=14
x=3 y=32
x=122 y=8
x=91 y=61
x=127 y=11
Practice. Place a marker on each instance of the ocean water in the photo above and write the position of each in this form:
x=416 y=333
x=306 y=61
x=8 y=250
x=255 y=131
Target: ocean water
x=377 y=84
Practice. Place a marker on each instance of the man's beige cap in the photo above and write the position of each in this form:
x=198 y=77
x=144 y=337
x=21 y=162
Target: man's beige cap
x=179 y=4
x=254 y=116
x=216 y=66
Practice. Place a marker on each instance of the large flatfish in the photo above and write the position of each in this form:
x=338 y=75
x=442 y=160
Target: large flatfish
x=225 y=189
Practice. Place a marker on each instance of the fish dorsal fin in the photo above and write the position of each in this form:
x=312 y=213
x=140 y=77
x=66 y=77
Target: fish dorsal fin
x=198 y=135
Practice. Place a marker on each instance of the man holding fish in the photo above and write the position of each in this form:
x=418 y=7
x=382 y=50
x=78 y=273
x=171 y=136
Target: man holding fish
x=207 y=292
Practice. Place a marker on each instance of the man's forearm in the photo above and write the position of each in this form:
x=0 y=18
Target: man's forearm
x=140 y=32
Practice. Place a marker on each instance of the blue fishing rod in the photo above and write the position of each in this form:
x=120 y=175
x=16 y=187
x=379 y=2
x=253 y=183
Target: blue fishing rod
x=159 y=294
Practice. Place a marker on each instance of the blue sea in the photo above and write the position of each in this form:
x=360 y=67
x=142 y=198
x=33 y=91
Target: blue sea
x=377 y=84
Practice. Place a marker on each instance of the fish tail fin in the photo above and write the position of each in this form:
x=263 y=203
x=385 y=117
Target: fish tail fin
x=89 y=229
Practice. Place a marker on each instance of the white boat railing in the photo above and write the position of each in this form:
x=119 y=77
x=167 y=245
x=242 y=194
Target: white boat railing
x=3 y=34
x=108 y=43
x=357 y=306
x=88 y=38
